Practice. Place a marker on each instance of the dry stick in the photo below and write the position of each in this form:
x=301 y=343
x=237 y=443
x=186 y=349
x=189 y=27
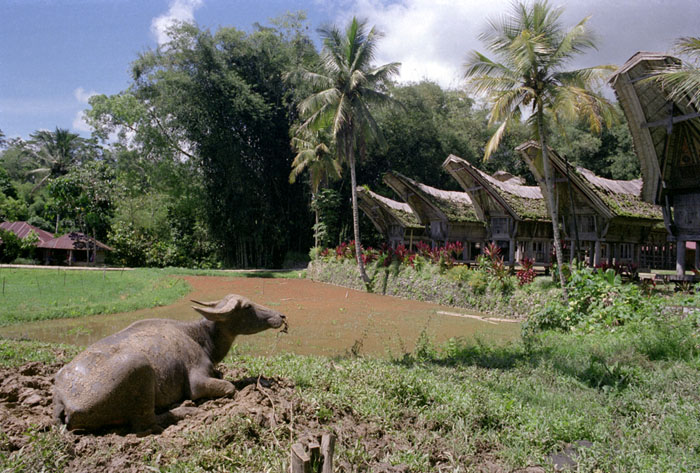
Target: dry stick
x=274 y=417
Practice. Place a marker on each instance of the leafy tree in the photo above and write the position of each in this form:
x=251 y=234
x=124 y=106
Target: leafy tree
x=56 y=152
x=533 y=50
x=347 y=84
x=314 y=153
x=609 y=154
x=683 y=80
x=85 y=196
x=217 y=105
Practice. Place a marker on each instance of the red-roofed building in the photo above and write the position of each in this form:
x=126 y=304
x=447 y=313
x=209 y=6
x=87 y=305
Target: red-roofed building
x=22 y=229
x=74 y=247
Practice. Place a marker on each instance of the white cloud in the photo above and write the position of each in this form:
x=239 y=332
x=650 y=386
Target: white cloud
x=431 y=38
x=179 y=11
x=82 y=96
x=79 y=123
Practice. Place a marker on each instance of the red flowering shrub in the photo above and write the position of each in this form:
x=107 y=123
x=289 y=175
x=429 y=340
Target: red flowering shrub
x=527 y=273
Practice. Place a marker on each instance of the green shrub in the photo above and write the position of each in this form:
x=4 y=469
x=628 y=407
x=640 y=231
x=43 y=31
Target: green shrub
x=479 y=282
x=461 y=273
x=596 y=299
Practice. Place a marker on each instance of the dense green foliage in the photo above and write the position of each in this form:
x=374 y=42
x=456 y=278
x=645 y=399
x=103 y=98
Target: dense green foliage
x=189 y=166
x=29 y=295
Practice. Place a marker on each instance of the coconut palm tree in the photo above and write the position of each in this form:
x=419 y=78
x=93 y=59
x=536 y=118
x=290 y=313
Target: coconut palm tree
x=314 y=154
x=684 y=80
x=54 y=152
x=346 y=86
x=529 y=79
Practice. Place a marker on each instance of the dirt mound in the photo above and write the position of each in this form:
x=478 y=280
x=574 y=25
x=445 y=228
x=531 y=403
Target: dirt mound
x=266 y=415
x=262 y=407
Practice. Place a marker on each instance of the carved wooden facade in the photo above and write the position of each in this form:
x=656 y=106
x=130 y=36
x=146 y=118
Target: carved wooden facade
x=395 y=220
x=515 y=215
x=448 y=216
x=604 y=220
x=666 y=136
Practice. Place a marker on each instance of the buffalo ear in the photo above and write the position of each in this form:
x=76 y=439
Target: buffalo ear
x=223 y=309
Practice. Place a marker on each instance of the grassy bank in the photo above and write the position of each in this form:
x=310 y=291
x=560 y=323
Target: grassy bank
x=458 y=286
x=629 y=397
x=38 y=294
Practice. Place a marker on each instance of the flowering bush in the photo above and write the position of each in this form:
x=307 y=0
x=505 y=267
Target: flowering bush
x=444 y=256
x=527 y=274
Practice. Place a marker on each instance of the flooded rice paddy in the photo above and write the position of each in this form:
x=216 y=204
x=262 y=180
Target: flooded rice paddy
x=323 y=320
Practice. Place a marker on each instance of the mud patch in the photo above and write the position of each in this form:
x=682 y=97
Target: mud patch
x=266 y=415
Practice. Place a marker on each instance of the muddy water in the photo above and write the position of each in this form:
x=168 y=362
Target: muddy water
x=323 y=319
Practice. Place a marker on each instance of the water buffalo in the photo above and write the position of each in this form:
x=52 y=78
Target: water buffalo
x=125 y=378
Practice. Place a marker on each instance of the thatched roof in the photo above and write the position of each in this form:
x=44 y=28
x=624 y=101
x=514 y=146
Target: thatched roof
x=522 y=202
x=22 y=229
x=72 y=241
x=382 y=210
x=430 y=203
x=611 y=197
x=666 y=134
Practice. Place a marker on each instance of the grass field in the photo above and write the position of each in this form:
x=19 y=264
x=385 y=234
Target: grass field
x=37 y=294
x=630 y=396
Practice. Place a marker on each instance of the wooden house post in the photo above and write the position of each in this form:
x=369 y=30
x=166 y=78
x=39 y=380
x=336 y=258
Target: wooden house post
x=680 y=258
x=596 y=253
x=697 y=255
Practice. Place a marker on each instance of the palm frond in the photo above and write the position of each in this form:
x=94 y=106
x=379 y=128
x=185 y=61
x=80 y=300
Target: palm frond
x=495 y=140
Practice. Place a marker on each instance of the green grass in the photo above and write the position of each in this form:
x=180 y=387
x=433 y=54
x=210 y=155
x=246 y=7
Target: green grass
x=37 y=294
x=14 y=353
x=632 y=393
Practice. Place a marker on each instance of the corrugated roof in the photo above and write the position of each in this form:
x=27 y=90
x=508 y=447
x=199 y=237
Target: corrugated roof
x=72 y=241
x=22 y=229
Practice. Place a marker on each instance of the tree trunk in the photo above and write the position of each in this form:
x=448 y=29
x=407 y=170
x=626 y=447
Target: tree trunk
x=313 y=199
x=355 y=216
x=553 y=211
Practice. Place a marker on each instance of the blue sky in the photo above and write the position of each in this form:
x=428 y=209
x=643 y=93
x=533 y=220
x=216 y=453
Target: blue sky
x=55 y=53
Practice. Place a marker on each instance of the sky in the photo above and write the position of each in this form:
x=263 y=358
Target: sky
x=55 y=54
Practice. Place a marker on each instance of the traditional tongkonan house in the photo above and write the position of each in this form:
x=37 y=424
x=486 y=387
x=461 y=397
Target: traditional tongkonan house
x=515 y=215
x=448 y=216
x=395 y=220
x=604 y=219
x=666 y=135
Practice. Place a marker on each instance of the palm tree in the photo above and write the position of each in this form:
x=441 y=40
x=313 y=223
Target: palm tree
x=314 y=154
x=529 y=77
x=54 y=152
x=684 y=80
x=347 y=84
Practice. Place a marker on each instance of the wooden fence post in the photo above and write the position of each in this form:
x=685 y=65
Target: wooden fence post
x=316 y=458
x=301 y=463
x=327 y=447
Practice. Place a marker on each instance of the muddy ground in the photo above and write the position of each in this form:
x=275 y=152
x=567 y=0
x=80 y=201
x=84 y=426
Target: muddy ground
x=270 y=411
x=323 y=319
